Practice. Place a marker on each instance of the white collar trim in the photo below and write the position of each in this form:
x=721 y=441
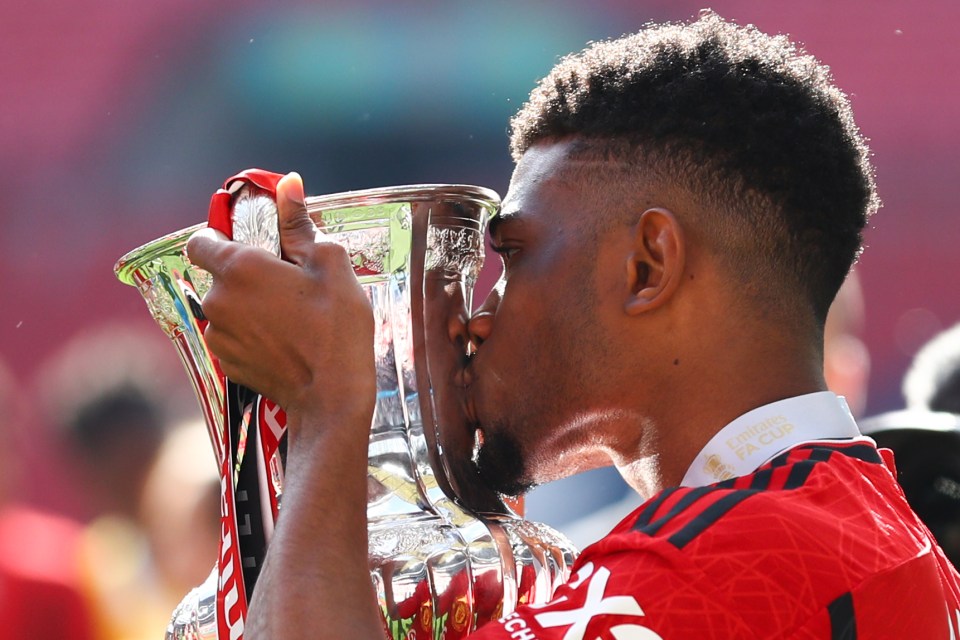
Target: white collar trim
x=759 y=435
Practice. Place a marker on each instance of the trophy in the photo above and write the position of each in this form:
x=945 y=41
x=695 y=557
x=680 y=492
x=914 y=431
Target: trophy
x=446 y=554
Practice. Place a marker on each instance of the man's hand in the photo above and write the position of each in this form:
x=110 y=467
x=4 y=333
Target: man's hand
x=299 y=331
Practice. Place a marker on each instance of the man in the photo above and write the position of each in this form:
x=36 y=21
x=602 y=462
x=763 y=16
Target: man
x=925 y=438
x=685 y=205
x=933 y=380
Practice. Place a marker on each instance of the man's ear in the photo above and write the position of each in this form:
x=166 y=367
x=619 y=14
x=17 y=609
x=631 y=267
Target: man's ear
x=655 y=266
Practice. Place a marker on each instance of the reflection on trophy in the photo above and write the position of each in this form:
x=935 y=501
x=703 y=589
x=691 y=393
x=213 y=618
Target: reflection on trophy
x=446 y=554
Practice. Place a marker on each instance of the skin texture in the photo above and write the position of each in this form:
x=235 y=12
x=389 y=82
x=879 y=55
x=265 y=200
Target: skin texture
x=613 y=337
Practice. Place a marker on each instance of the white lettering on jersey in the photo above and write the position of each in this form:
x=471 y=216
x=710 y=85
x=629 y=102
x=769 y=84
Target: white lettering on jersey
x=595 y=604
x=518 y=628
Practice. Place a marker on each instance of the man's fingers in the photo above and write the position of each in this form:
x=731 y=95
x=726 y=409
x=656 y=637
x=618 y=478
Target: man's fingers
x=205 y=248
x=297 y=230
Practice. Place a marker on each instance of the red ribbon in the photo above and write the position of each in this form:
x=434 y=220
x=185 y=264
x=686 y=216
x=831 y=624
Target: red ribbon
x=221 y=202
x=231 y=600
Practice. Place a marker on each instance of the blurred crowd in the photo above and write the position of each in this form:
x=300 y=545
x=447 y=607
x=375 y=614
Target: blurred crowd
x=110 y=426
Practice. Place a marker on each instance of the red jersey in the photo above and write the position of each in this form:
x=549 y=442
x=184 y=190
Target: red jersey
x=819 y=542
x=40 y=595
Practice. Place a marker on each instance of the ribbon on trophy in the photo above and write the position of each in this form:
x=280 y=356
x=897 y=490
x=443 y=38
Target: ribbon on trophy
x=251 y=472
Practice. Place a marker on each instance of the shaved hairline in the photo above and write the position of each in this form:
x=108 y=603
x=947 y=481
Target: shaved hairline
x=621 y=180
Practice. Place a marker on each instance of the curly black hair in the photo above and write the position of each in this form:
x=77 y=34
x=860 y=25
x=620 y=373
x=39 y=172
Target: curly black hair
x=752 y=127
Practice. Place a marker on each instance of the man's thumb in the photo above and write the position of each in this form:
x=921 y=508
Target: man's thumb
x=297 y=230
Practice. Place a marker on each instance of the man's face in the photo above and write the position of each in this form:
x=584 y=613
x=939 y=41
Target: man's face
x=537 y=383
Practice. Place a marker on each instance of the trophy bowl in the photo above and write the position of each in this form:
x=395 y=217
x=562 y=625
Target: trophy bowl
x=446 y=553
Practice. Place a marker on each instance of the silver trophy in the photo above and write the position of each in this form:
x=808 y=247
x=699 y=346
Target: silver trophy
x=446 y=554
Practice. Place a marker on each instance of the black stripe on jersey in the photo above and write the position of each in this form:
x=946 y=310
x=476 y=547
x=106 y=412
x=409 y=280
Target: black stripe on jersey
x=781 y=459
x=709 y=516
x=760 y=482
x=801 y=470
x=863 y=452
x=692 y=496
x=761 y=479
x=799 y=473
x=651 y=508
x=843 y=623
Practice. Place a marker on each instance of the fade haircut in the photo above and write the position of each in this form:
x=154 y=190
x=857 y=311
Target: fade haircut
x=748 y=125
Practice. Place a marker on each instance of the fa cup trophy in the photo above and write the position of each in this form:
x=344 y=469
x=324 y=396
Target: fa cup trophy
x=446 y=554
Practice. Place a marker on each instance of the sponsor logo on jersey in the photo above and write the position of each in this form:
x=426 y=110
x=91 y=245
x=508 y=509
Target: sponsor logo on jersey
x=590 y=586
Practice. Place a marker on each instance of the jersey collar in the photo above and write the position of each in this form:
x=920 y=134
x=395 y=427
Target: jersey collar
x=759 y=435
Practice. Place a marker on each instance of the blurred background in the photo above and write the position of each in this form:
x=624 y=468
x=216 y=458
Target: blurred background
x=119 y=119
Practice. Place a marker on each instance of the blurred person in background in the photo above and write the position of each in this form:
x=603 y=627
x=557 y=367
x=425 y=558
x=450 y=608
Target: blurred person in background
x=180 y=513
x=933 y=380
x=103 y=398
x=846 y=360
x=146 y=491
x=137 y=576
x=40 y=591
x=925 y=438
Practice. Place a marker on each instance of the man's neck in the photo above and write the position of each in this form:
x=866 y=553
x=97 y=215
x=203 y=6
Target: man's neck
x=680 y=427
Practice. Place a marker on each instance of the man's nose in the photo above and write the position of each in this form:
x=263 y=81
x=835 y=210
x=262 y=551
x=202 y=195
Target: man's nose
x=481 y=322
